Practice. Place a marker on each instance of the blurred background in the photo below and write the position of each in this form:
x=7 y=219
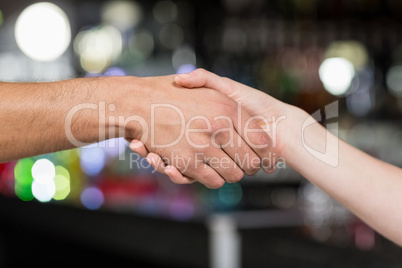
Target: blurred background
x=105 y=205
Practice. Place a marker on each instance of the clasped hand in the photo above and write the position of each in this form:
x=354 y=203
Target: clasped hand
x=200 y=134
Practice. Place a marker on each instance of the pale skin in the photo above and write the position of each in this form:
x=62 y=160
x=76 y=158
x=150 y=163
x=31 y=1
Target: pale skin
x=368 y=187
x=34 y=117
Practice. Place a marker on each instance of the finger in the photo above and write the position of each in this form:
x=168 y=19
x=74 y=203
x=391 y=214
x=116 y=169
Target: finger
x=204 y=78
x=237 y=149
x=139 y=148
x=156 y=162
x=176 y=177
x=270 y=160
x=271 y=170
x=224 y=166
x=204 y=174
x=252 y=131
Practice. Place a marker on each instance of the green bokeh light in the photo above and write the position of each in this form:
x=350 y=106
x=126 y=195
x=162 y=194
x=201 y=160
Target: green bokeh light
x=23 y=193
x=230 y=194
x=23 y=179
x=66 y=157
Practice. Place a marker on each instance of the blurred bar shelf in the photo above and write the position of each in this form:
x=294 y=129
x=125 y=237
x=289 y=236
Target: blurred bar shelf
x=265 y=237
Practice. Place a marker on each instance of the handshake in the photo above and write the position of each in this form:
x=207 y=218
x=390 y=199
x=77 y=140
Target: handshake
x=200 y=127
x=206 y=128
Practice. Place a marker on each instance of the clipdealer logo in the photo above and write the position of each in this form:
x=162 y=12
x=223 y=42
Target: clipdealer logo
x=185 y=127
x=330 y=155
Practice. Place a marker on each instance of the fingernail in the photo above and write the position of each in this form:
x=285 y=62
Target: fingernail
x=134 y=145
x=270 y=170
x=168 y=169
x=184 y=76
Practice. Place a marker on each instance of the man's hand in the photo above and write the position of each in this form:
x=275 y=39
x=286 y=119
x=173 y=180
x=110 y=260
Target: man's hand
x=201 y=132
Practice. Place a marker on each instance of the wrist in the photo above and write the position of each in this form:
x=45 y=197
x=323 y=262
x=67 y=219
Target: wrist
x=307 y=141
x=290 y=134
x=95 y=109
x=127 y=106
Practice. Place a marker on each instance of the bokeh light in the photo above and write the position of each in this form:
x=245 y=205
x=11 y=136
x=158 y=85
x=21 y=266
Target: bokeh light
x=114 y=71
x=92 y=198
x=320 y=210
x=230 y=194
x=43 y=171
x=114 y=147
x=92 y=160
x=141 y=44
x=10 y=67
x=122 y=14
x=336 y=74
x=62 y=183
x=98 y=47
x=165 y=11
x=24 y=179
x=354 y=51
x=43 y=186
x=283 y=197
x=171 y=36
x=43 y=192
x=234 y=39
x=186 y=68
x=235 y=6
x=361 y=100
x=181 y=208
x=183 y=55
x=42 y=31
x=66 y=157
x=394 y=80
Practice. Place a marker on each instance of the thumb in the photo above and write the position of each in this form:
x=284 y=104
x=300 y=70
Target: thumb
x=204 y=78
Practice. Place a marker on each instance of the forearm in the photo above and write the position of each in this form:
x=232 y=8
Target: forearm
x=34 y=116
x=370 y=188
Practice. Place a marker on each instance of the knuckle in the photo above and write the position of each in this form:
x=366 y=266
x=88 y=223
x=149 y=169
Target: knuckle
x=184 y=165
x=226 y=80
x=201 y=71
x=222 y=137
x=217 y=125
x=191 y=165
x=211 y=179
